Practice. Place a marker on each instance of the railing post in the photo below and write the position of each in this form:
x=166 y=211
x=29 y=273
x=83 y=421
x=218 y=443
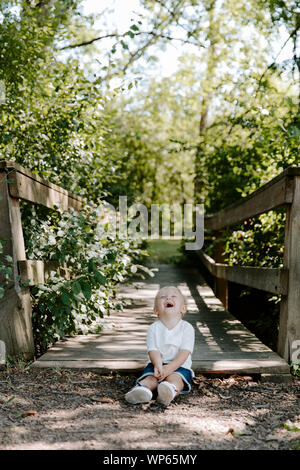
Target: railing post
x=15 y=306
x=289 y=325
x=221 y=285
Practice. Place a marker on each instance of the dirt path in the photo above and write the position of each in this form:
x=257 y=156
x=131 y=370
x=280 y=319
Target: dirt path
x=66 y=409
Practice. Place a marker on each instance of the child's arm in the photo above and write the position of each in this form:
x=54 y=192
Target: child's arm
x=155 y=358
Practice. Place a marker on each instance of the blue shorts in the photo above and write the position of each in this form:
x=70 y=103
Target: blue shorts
x=186 y=375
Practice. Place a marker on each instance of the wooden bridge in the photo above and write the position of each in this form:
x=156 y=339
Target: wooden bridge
x=223 y=344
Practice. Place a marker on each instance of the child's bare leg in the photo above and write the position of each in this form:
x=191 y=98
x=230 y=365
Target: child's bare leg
x=176 y=380
x=150 y=381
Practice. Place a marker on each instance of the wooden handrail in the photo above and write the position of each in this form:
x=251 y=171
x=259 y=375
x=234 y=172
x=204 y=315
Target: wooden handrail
x=277 y=192
x=283 y=190
x=30 y=187
x=272 y=280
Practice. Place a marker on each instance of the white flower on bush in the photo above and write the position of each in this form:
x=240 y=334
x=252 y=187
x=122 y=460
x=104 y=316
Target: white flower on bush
x=133 y=269
x=92 y=254
x=52 y=240
x=62 y=223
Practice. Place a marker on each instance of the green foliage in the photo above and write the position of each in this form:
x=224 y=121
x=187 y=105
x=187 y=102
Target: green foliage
x=6 y=269
x=295 y=368
x=165 y=252
x=93 y=259
x=258 y=242
x=52 y=119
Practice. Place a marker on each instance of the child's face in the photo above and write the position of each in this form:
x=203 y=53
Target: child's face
x=169 y=302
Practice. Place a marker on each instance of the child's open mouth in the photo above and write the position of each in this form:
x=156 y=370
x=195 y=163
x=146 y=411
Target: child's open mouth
x=169 y=304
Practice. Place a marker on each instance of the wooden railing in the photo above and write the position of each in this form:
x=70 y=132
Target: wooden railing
x=284 y=190
x=17 y=183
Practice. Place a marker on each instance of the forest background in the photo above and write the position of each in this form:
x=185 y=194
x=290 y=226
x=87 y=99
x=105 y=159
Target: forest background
x=84 y=105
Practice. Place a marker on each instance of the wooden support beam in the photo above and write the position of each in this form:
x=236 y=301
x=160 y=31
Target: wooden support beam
x=221 y=284
x=36 y=271
x=289 y=326
x=15 y=306
x=267 y=279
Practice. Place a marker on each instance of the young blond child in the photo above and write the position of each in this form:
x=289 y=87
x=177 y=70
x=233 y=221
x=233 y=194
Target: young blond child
x=170 y=343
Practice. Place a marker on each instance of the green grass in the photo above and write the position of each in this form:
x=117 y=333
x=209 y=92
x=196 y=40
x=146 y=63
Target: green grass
x=164 y=252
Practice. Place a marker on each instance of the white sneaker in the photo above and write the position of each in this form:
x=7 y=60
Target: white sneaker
x=166 y=392
x=138 y=394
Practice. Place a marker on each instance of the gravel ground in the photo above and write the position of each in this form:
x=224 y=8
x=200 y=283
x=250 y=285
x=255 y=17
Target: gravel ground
x=52 y=409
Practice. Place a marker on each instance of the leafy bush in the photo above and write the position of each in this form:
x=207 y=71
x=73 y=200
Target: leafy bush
x=258 y=241
x=93 y=261
x=5 y=269
x=295 y=368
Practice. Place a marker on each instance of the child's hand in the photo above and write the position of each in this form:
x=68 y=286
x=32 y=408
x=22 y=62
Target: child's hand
x=158 y=371
x=166 y=371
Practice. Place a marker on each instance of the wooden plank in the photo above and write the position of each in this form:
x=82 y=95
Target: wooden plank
x=15 y=306
x=221 y=283
x=241 y=366
x=289 y=326
x=28 y=189
x=270 y=196
x=246 y=366
x=99 y=366
x=10 y=166
x=36 y=271
x=267 y=279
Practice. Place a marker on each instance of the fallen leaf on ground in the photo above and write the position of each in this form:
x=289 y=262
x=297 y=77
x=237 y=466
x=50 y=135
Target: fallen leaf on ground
x=234 y=380
x=216 y=382
x=103 y=399
x=29 y=413
x=230 y=431
x=238 y=432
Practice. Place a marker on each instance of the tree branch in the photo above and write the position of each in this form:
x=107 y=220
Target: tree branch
x=118 y=36
x=90 y=41
x=293 y=33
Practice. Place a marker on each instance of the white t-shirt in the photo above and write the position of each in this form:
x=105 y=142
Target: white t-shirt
x=169 y=342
